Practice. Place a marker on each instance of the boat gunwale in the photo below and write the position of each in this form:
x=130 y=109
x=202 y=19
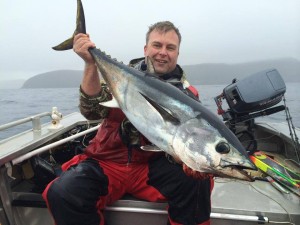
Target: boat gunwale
x=28 y=140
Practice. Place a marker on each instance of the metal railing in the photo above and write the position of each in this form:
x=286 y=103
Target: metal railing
x=246 y=218
x=36 y=122
x=54 y=144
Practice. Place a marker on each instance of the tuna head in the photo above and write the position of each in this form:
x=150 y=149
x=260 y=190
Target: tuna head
x=202 y=148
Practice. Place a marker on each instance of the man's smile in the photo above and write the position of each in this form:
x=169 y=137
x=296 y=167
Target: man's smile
x=161 y=61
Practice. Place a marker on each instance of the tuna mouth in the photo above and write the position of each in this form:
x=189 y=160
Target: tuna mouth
x=243 y=164
x=231 y=172
x=237 y=172
x=237 y=169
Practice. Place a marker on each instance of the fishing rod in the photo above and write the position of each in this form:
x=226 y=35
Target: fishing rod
x=292 y=130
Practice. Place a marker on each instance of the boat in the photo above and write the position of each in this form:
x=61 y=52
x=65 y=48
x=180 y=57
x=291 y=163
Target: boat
x=32 y=158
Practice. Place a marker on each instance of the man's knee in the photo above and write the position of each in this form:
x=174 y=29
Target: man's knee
x=80 y=185
x=189 y=199
x=73 y=196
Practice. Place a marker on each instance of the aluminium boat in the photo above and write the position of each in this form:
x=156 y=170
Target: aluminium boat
x=30 y=159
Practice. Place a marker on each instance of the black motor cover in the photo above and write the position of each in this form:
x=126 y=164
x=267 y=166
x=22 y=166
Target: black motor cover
x=255 y=92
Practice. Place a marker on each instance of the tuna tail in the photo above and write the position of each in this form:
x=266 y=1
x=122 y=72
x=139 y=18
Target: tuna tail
x=80 y=28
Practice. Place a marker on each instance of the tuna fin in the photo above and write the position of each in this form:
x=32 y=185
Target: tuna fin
x=150 y=67
x=111 y=104
x=80 y=28
x=66 y=45
x=165 y=113
x=151 y=148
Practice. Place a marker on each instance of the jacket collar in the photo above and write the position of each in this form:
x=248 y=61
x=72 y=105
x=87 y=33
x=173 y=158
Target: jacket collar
x=172 y=77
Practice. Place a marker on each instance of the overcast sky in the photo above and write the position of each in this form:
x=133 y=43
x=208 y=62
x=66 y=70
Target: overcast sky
x=213 y=31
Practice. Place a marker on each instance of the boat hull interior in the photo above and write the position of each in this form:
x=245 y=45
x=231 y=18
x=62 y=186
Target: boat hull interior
x=233 y=202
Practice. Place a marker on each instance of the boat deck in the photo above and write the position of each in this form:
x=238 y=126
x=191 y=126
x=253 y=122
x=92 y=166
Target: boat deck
x=230 y=199
x=233 y=202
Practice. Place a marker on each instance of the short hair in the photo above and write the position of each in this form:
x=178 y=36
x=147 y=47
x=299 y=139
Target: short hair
x=164 y=27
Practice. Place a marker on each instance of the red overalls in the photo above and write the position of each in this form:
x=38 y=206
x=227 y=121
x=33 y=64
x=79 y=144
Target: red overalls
x=108 y=169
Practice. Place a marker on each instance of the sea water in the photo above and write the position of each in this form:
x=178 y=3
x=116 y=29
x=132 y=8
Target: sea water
x=17 y=104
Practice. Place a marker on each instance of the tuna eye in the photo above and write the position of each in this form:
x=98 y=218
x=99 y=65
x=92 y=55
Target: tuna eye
x=223 y=148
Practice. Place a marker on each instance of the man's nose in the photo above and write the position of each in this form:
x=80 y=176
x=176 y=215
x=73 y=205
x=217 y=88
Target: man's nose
x=163 y=51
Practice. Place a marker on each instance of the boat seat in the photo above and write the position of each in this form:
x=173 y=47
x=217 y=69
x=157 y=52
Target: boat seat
x=35 y=200
x=25 y=199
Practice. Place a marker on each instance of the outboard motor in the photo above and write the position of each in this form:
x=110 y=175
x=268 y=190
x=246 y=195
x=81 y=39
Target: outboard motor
x=251 y=97
x=255 y=93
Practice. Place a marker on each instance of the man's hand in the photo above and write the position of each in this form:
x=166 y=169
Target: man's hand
x=81 y=45
x=195 y=174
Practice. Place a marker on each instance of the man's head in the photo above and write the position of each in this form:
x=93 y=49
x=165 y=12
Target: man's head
x=162 y=46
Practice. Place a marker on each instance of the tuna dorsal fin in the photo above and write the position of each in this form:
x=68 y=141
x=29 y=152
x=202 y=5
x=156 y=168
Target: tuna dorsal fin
x=150 y=67
x=111 y=103
x=166 y=114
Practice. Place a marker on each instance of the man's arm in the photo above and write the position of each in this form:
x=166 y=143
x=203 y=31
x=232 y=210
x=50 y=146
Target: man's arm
x=89 y=105
x=91 y=80
x=91 y=91
x=90 y=83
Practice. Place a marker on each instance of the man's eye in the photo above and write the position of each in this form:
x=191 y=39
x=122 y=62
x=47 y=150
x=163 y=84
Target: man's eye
x=171 y=48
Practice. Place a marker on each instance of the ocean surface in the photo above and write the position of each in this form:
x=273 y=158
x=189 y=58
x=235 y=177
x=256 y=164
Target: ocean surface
x=17 y=104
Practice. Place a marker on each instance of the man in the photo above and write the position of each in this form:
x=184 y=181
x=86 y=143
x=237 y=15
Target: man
x=113 y=164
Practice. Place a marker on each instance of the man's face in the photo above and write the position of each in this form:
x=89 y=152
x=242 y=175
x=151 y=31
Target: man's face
x=163 y=50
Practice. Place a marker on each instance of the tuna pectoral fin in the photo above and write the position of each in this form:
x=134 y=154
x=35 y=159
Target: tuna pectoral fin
x=111 y=104
x=166 y=114
x=151 y=148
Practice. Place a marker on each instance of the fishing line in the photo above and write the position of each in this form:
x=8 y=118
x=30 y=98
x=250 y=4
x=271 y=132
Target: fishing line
x=273 y=128
x=224 y=180
x=279 y=222
x=88 y=126
x=259 y=139
x=285 y=169
x=269 y=137
x=298 y=164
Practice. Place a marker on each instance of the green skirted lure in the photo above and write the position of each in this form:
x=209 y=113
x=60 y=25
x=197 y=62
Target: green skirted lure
x=277 y=171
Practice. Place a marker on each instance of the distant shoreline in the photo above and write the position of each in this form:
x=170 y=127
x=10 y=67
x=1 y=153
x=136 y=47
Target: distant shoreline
x=200 y=74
